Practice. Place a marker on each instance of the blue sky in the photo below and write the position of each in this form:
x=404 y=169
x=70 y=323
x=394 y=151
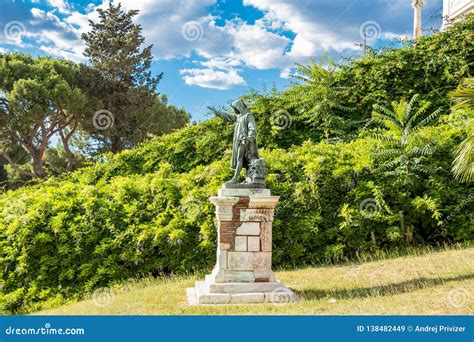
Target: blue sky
x=212 y=51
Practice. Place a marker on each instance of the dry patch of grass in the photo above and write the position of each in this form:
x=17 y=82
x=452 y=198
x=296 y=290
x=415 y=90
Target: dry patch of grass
x=440 y=283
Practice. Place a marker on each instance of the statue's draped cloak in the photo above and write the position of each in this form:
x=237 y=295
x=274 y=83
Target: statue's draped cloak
x=245 y=127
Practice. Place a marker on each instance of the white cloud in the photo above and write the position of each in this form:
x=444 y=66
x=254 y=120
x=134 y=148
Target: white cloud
x=257 y=47
x=391 y=35
x=54 y=51
x=163 y=23
x=303 y=18
x=285 y=73
x=60 y=5
x=80 y=22
x=221 y=63
x=212 y=78
x=57 y=37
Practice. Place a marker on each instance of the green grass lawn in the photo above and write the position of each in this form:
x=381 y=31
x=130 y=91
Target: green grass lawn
x=436 y=283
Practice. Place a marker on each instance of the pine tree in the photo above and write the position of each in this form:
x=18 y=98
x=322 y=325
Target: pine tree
x=121 y=82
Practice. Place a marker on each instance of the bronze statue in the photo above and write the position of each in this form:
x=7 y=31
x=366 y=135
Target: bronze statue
x=244 y=147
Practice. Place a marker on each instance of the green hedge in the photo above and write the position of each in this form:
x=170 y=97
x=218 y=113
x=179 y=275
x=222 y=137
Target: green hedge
x=64 y=238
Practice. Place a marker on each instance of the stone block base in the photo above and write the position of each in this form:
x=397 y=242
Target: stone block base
x=243 y=271
x=239 y=293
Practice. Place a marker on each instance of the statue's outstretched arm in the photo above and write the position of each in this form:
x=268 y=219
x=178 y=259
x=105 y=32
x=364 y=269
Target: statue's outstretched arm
x=223 y=115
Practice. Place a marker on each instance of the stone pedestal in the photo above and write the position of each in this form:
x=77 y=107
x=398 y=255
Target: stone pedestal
x=243 y=271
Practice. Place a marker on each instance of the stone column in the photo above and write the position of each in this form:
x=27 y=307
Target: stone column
x=243 y=271
x=417 y=5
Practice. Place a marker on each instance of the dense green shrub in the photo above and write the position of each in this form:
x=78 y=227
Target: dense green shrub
x=63 y=238
x=432 y=67
x=146 y=211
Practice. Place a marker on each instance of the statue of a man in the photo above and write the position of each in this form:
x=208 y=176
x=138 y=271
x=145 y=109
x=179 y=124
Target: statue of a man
x=244 y=148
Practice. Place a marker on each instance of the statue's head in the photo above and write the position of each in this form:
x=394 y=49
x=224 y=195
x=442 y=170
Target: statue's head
x=239 y=106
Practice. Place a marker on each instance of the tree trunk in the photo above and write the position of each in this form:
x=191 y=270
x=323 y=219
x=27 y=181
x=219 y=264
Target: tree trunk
x=70 y=161
x=70 y=157
x=65 y=141
x=38 y=165
x=115 y=145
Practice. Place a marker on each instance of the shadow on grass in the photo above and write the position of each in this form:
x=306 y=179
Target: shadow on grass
x=382 y=290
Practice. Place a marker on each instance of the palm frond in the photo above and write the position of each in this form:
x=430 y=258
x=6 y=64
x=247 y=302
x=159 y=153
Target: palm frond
x=413 y=118
x=429 y=119
x=428 y=150
x=463 y=163
x=463 y=96
x=385 y=111
x=343 y=108
x=424 y=151
x=411 y=104
x=393 y=164
x=387 y=153
x=384 y=137
x=381 y=113
x=423 y=169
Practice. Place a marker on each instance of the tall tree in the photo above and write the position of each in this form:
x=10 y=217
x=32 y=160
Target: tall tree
x=122 y=82
x=39 y=98
x=167 y=117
